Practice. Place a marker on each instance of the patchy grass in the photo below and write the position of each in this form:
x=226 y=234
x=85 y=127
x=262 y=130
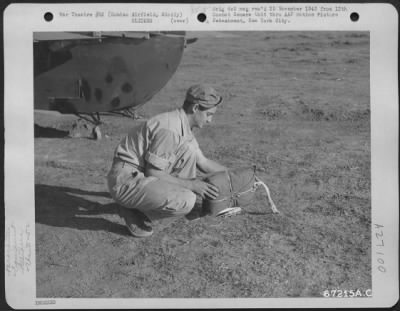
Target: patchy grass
x=297 y=105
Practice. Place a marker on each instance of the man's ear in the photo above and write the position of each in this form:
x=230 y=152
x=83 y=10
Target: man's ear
x=195 y=107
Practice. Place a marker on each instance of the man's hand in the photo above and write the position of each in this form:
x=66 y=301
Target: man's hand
x=204 y=189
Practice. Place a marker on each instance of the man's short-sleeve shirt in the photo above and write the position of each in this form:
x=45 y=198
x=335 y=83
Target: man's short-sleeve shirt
x=158 y=141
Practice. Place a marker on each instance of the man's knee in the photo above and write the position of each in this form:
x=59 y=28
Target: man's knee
x=190 y=201
x=182 y=204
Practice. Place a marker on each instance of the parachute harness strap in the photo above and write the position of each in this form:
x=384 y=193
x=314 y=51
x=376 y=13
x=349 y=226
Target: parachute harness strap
x=234 y=195
x=272 y=204
x=232 y=201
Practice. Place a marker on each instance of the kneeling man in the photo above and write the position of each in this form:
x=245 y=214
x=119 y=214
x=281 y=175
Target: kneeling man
x=153 y=175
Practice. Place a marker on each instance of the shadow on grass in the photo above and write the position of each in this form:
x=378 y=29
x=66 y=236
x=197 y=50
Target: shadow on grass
x=49 y=132
x=196 y=212
x=257 y=213
x=61 y=207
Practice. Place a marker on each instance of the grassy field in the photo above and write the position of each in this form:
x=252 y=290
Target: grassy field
x=296 y=105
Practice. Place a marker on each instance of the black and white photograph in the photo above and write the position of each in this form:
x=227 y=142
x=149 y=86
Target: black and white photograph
x=188 y=163
x=127 y=206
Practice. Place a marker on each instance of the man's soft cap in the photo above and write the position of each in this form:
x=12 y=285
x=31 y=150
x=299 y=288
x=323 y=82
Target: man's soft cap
x=203 y=95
